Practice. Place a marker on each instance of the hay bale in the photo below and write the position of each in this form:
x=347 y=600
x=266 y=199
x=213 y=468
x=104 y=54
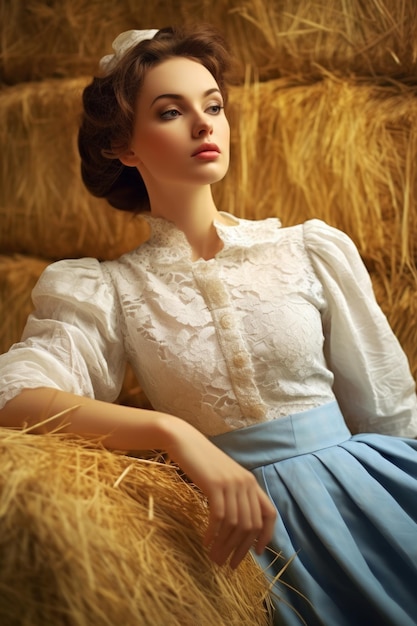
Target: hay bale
x=44 y=208
x=76 y=33
x=309 y=39
x=92 y=538
x=66 y=37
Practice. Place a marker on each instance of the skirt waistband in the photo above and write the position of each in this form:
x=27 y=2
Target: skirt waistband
x=285 y=437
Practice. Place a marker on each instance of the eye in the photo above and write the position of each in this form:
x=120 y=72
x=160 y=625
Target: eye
x=214 y=109
x=170 y=114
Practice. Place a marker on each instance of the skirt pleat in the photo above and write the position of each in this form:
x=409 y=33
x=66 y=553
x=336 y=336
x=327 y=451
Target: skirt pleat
x=347 y=509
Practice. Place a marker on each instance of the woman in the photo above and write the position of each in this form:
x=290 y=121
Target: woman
x=255 y=344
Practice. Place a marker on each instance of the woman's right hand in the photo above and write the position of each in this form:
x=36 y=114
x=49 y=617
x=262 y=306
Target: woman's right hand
x=240 y=513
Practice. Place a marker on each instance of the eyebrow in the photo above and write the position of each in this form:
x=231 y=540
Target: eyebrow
x=176 y=96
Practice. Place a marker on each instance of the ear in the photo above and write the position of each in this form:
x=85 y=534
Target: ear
x=129 y=158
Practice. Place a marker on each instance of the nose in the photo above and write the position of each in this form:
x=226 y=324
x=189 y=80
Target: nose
x=203 y=125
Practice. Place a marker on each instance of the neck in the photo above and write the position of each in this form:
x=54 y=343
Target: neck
x=193 y=212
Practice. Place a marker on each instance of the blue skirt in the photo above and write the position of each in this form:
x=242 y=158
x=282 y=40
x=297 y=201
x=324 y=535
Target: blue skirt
x=347 y=509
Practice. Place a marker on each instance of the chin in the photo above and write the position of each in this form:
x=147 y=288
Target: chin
x=210 y=178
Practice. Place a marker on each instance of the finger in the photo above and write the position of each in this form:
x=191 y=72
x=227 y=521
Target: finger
x=222 y=519
x=222 y=544
x=251 y=530
x=259 y=532
x=242 y=550
x=216 y=516
x=239 y=530
x=269 y=516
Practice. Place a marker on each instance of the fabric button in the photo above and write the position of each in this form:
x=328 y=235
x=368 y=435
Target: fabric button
x=226 y=321
x=240 y=359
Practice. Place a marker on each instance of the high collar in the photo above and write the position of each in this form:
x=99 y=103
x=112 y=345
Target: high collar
x=166 y=237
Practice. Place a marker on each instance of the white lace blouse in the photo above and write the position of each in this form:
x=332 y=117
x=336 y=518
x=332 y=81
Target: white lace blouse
x=281 y=320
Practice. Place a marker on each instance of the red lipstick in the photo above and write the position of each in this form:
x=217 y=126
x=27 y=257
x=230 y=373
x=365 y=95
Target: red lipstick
x=207 y=152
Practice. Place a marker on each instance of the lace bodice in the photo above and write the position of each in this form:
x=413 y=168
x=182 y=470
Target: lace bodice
x=280 y=321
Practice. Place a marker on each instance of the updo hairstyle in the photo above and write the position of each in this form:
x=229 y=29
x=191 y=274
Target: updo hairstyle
x=109 y=110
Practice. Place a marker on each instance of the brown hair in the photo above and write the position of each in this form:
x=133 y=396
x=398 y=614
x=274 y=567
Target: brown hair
x=109 y=105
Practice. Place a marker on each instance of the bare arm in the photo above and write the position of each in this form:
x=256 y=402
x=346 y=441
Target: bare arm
x=240 y=511
x=121 y=427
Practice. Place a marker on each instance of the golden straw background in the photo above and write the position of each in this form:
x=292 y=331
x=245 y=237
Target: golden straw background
x=323 y=111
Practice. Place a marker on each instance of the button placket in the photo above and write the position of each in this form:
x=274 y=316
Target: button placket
x=231 y=343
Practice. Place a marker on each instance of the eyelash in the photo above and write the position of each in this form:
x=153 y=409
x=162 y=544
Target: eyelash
x=166 y=114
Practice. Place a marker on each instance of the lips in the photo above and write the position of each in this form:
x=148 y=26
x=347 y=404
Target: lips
x=206 y=148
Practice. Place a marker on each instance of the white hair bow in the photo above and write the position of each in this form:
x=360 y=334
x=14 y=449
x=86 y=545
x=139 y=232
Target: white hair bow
x=122 y=44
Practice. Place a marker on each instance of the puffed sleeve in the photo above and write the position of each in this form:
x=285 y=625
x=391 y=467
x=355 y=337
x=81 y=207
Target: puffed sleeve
x=372 y=379
x=72 y=340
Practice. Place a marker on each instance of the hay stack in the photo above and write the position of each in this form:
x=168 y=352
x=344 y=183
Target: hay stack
x=44 y=208
x=64 y=38
x=91 y=538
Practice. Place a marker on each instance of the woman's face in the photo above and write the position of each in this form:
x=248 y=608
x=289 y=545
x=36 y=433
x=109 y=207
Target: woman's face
x=181 y=135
